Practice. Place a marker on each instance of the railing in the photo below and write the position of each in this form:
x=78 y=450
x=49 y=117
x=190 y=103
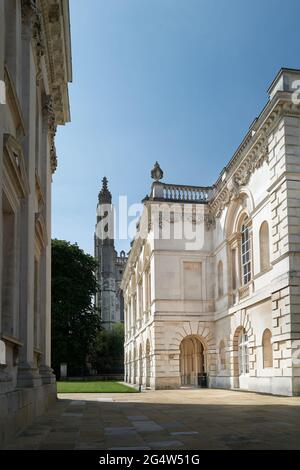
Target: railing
x=186 y=193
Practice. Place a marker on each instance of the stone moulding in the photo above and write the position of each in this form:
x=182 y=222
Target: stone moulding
x=49 y=120
x=251 y=155
x=51 y=42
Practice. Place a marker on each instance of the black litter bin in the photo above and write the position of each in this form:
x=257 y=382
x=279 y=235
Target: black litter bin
x=202 y=380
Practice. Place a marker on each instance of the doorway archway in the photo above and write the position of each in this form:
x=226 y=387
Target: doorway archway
x=241 y=358
x=192 y=360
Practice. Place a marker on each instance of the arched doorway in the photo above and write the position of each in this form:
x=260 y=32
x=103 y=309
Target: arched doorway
x=241 y=358
x=192 y=360
x=148 y=365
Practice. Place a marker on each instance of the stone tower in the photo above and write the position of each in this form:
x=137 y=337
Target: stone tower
x=109 y=299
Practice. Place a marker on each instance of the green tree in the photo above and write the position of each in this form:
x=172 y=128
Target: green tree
x=108 y=351
x=75 y=321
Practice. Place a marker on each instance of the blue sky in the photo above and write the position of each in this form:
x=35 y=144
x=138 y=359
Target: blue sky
x=178 y=81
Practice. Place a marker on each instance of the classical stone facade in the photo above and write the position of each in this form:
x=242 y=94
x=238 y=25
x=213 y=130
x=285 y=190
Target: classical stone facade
x=35 y=66
x=228 y=306
x=109 y=298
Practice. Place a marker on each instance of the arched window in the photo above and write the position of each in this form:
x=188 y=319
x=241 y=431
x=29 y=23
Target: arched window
x=243 y=353
x=220 y=279
x=267 y=349
x=222 y=355
x=264 y=248
x=245 y=252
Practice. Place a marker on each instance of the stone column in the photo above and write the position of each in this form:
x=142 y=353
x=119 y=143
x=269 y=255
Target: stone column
x=2 y=105
x=144 y=369
x=132 y=325
x=3 y=376
x=28 y=375
x=45 y=268
x=145 y=294
x=137 y=306
x=128 y=318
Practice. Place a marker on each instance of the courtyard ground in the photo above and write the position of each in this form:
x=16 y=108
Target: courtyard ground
x=169 y=419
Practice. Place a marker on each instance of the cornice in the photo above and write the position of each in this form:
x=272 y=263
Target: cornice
x=251 y=154
x=47 y=23
x=55 y=21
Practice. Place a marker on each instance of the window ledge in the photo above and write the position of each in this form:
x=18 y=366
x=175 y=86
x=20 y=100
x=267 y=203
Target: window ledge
x=261 y=273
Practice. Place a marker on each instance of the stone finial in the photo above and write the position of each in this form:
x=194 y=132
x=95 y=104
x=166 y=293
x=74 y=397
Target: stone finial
x=105 y=194
x=156 y=172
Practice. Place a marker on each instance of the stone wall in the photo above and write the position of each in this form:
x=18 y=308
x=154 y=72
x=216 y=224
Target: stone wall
x=35 y=65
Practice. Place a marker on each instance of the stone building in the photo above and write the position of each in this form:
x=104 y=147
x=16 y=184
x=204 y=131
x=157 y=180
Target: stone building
x=228 y=303
x=35 y=68
x=109 y=299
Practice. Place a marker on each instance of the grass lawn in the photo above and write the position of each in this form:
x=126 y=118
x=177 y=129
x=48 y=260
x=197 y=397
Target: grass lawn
x=100 y=386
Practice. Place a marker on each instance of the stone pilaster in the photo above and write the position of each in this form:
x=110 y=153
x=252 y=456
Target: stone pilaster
x=2 y=44
x=28 y=375
x=46 y=179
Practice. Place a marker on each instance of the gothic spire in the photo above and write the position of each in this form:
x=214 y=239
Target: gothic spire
x=105 y=194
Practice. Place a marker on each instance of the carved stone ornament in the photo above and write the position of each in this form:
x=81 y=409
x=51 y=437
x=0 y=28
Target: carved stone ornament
x=156 y=172
x=32 y=18
x=240 y=178
x=29 y=10
x=210 y=221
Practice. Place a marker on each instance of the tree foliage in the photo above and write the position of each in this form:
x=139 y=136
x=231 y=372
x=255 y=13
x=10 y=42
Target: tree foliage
x=108 y=353
x=75 y=321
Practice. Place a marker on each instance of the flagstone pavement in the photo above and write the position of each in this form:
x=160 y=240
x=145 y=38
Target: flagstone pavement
x=168 y=419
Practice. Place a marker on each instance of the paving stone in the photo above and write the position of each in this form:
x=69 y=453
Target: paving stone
x=129 y=448
x=165 y=444
x=168 y=419
x=120 y=431
x=138 y=418
x=172 y=425
x=147 y=426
